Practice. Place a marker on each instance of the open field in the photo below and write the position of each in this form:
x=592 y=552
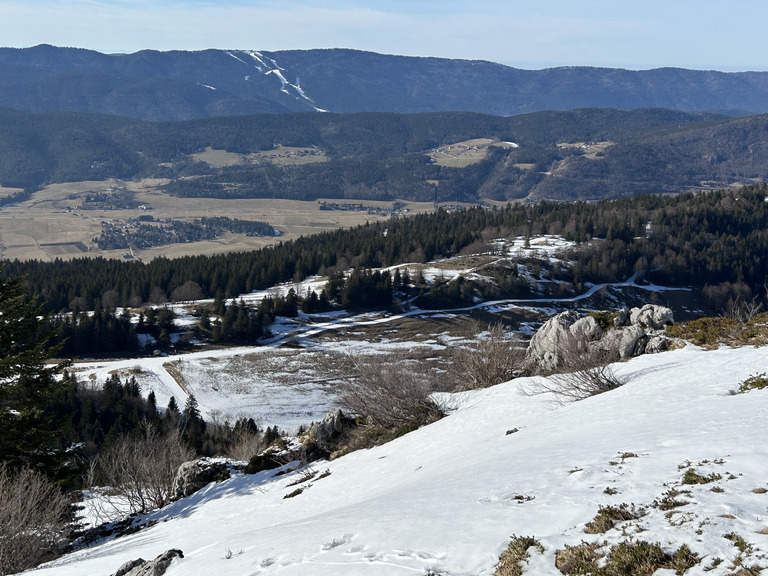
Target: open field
x=461 y=154
x=55 y=224
x=591 y=150
x=280 y=155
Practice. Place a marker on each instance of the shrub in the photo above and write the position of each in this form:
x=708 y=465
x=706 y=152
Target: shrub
x=140 y=471
x=693 y=477
x=579 y=559
x=711 y=332
x=33 y=520
x=608 y=516
x=627 y=558
x=756 y=382
x=516 y=553
x=489 y=361
x=390 y=394
x=639 y=558
x=584 y=371
x=604 y=318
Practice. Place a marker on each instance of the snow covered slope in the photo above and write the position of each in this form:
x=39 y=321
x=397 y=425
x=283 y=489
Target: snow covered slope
x=446 y=498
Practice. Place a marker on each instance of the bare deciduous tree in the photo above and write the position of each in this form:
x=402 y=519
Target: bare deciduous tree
x=33 y=519
x=490 y=360
x=140 y=471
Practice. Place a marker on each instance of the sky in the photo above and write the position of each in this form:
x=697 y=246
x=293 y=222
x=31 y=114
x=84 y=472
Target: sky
x=725 y=35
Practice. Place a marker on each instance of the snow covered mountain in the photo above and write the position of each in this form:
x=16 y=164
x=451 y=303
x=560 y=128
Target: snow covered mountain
x=447 y=498
x=179 y=85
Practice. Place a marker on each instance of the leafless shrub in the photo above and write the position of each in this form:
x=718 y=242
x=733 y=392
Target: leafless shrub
x=488 y=361
x=140 y=471
x=390 y=393
x=245 y=445
x=584 y=371
x=742 y=310
x=33 y=519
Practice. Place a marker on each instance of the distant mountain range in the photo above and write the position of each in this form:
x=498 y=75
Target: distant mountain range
x=180 y=85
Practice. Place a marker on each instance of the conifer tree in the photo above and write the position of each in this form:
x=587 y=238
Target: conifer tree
x=29 y=390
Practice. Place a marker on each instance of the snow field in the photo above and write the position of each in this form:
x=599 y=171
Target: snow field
x=447 y=497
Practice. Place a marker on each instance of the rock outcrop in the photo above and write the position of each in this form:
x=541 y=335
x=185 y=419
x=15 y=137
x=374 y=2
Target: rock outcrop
x=634 y=332
x=156 y=567
x=195 y=474
x=651 y=316
x=323 y=437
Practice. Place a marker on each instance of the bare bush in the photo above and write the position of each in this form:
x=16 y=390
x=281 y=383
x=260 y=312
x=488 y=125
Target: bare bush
x=390 y=393
x=33 y=520
x=488 y=361
x=584 y=371
x=742 y=310
x=245 y=445
x=140 y=471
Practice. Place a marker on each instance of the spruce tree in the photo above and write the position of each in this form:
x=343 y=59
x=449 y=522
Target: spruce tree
x=29 y=390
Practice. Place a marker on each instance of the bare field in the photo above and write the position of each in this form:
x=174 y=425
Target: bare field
x=53 y=223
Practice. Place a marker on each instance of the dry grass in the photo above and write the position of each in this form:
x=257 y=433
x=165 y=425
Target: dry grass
x=711 y=332
x=218 y=158
x=608 y=516
x=48 y=225
x=510 y=561
x=461 y=154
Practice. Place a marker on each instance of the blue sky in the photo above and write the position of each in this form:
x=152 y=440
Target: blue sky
x=723 y=35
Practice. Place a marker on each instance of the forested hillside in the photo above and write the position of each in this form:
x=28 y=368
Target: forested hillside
x=180 y=85
x=715 y=240
x=581 y=154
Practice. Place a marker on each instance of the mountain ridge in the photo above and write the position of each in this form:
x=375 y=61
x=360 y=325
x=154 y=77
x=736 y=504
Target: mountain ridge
x=178 y=85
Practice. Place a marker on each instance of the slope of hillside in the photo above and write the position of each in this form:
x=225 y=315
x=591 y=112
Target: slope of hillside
x=179 y=85
x=446 y=498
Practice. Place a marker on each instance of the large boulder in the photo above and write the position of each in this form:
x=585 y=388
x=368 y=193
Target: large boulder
x=550 y=339
x=627 y=342
x=195 y=474
x=156 y=567
x=651 y=316
x=586 y=328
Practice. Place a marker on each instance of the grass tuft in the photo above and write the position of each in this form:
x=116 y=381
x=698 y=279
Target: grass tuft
x=510 y=561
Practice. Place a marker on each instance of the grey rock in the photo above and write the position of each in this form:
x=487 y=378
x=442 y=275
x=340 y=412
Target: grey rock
x=586 y=328
x=622 y=318
x=326 y=431
x=657 y=344
x=195 y=474
x=156 y=567
x=550 y=338
x=652 y=316
x=129 y=566
x=623 y=340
